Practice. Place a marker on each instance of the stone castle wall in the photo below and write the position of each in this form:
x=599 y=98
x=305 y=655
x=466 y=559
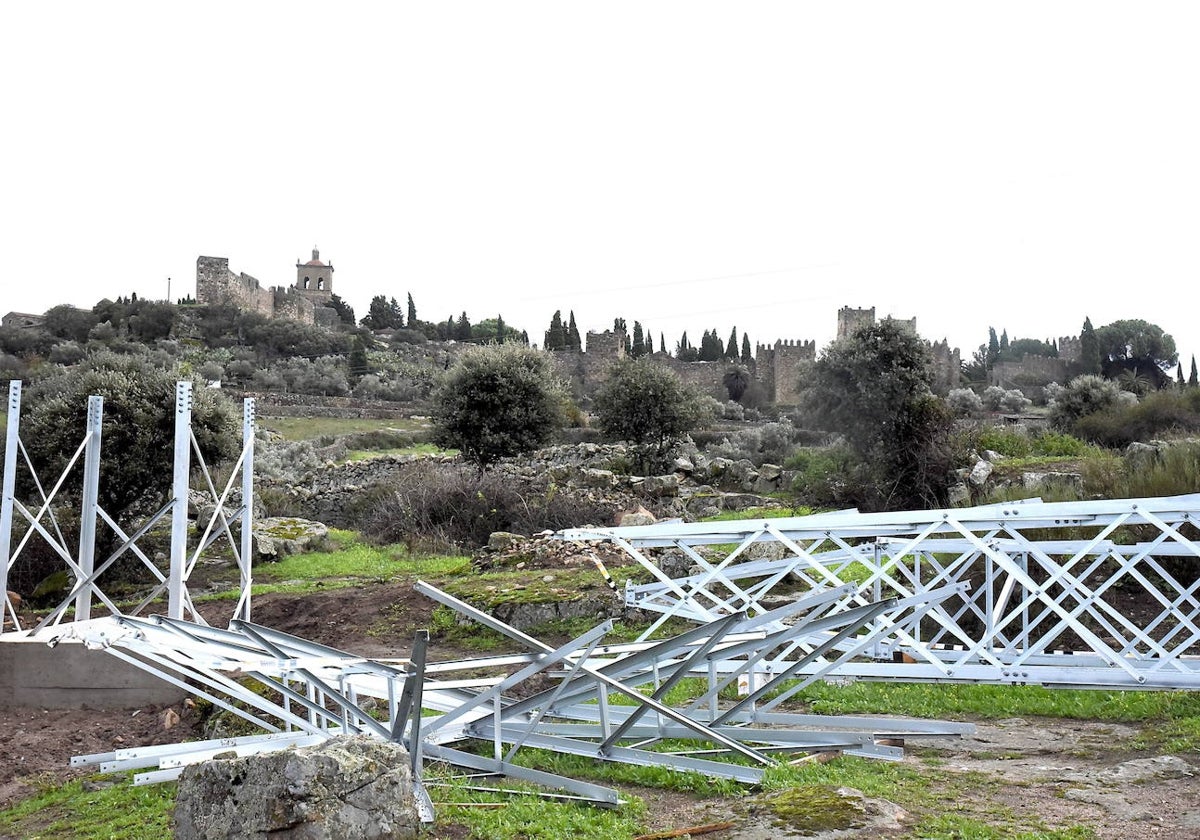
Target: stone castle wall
x=217 y=285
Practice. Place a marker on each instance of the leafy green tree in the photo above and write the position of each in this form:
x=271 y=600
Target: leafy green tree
x=138 y=431
x=711 y=348
x=645 y=403
x=1136 y=345
x=69 y=323
x=736 y=380
x=1089 y=348
x=344 y=311
x=383 y=314
x=462 y=330
x=684 y=351
x=498 y=401
x=873 y=387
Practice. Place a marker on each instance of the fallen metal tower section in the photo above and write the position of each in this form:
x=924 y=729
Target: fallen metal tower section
x=584 y=698
x=1099 y=594
x=37 y=518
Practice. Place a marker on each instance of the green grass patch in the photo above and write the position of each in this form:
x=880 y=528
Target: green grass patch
x=355 y=561
x=760 y=513
x=1002 y=701
x=119 y=810
x=520 y=817
x=308 y=428
x=423 y=449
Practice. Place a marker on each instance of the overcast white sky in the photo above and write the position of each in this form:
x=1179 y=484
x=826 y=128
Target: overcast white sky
x=688 y=165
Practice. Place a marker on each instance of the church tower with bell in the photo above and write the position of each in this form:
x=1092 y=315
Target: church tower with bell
x=314 y=279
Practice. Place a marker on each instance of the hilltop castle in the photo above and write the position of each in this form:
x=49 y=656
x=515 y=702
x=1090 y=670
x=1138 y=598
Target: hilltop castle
x=777 y=368
x=305 y=301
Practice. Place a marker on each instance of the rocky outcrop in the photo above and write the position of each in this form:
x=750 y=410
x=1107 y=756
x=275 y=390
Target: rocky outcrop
x=695 y=486
x=351 y=788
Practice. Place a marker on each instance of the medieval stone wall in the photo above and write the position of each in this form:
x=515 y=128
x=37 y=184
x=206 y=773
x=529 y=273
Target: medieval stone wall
x=1030 y=372
x=946 y=366
x=216 y=285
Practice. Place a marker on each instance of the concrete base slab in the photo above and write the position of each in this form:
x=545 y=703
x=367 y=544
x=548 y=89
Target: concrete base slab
x=69 y=676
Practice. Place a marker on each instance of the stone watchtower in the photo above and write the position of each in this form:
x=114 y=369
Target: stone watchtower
x=314 y=279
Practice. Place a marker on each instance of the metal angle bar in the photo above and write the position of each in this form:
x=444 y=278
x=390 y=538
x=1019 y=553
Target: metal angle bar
x=681 y=670
x=180 y=472
x=245 y=558
x=536 y=719
x=595 y=793
x=644 y=758
x=332 y=693
x=547 y=661
x=107 y=564
x=12 y=436
x=488 y=621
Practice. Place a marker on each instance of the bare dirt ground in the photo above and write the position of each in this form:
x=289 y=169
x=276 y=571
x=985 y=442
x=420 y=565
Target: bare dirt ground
x=1054 y=772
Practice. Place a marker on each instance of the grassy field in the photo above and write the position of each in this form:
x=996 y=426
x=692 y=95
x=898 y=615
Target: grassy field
x=311 y=428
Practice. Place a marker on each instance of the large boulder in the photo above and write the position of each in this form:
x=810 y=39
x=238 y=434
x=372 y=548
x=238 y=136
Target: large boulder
x=349 y=788
x=281 y=536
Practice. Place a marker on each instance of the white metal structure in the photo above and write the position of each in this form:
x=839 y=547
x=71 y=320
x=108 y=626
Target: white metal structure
x=1087 y=594
x=86 y=591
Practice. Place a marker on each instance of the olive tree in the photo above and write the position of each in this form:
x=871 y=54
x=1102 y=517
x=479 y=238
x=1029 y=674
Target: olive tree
x=138 y=431
x=647 y=404
x=498 y=401
x=872 y=386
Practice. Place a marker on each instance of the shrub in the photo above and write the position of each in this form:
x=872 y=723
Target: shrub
x=441 y=506
x=1056 y=445
x=1009 y=443
x=828 y=476
x=992 y=397
x=1085 y=395
x=498 y=401
x=1014 y=401
x=1123 y=423
x=768 y=443
x=964 y=402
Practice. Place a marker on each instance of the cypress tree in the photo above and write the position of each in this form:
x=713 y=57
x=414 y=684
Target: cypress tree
x=556 y=336
x=412 y=313
x=1089 y=348
x=1004 y=342
x=1179 y=374
x=499 y=329
x=731 y=346
x=747 y=356
x=574 y=342
x=662 y=344
x=993 y=346
x=1192 y=381
x=638 y=348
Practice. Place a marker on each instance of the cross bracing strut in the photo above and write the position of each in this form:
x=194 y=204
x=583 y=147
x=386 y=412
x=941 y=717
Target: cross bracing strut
x=300 y=692
x=38 y=517
x=1089 y=594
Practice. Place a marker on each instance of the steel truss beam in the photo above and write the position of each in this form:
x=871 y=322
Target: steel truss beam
x=300 y=692
x=1050 y=586
x=84 y=568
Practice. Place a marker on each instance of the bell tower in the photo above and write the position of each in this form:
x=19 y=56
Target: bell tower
x=314 y=279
